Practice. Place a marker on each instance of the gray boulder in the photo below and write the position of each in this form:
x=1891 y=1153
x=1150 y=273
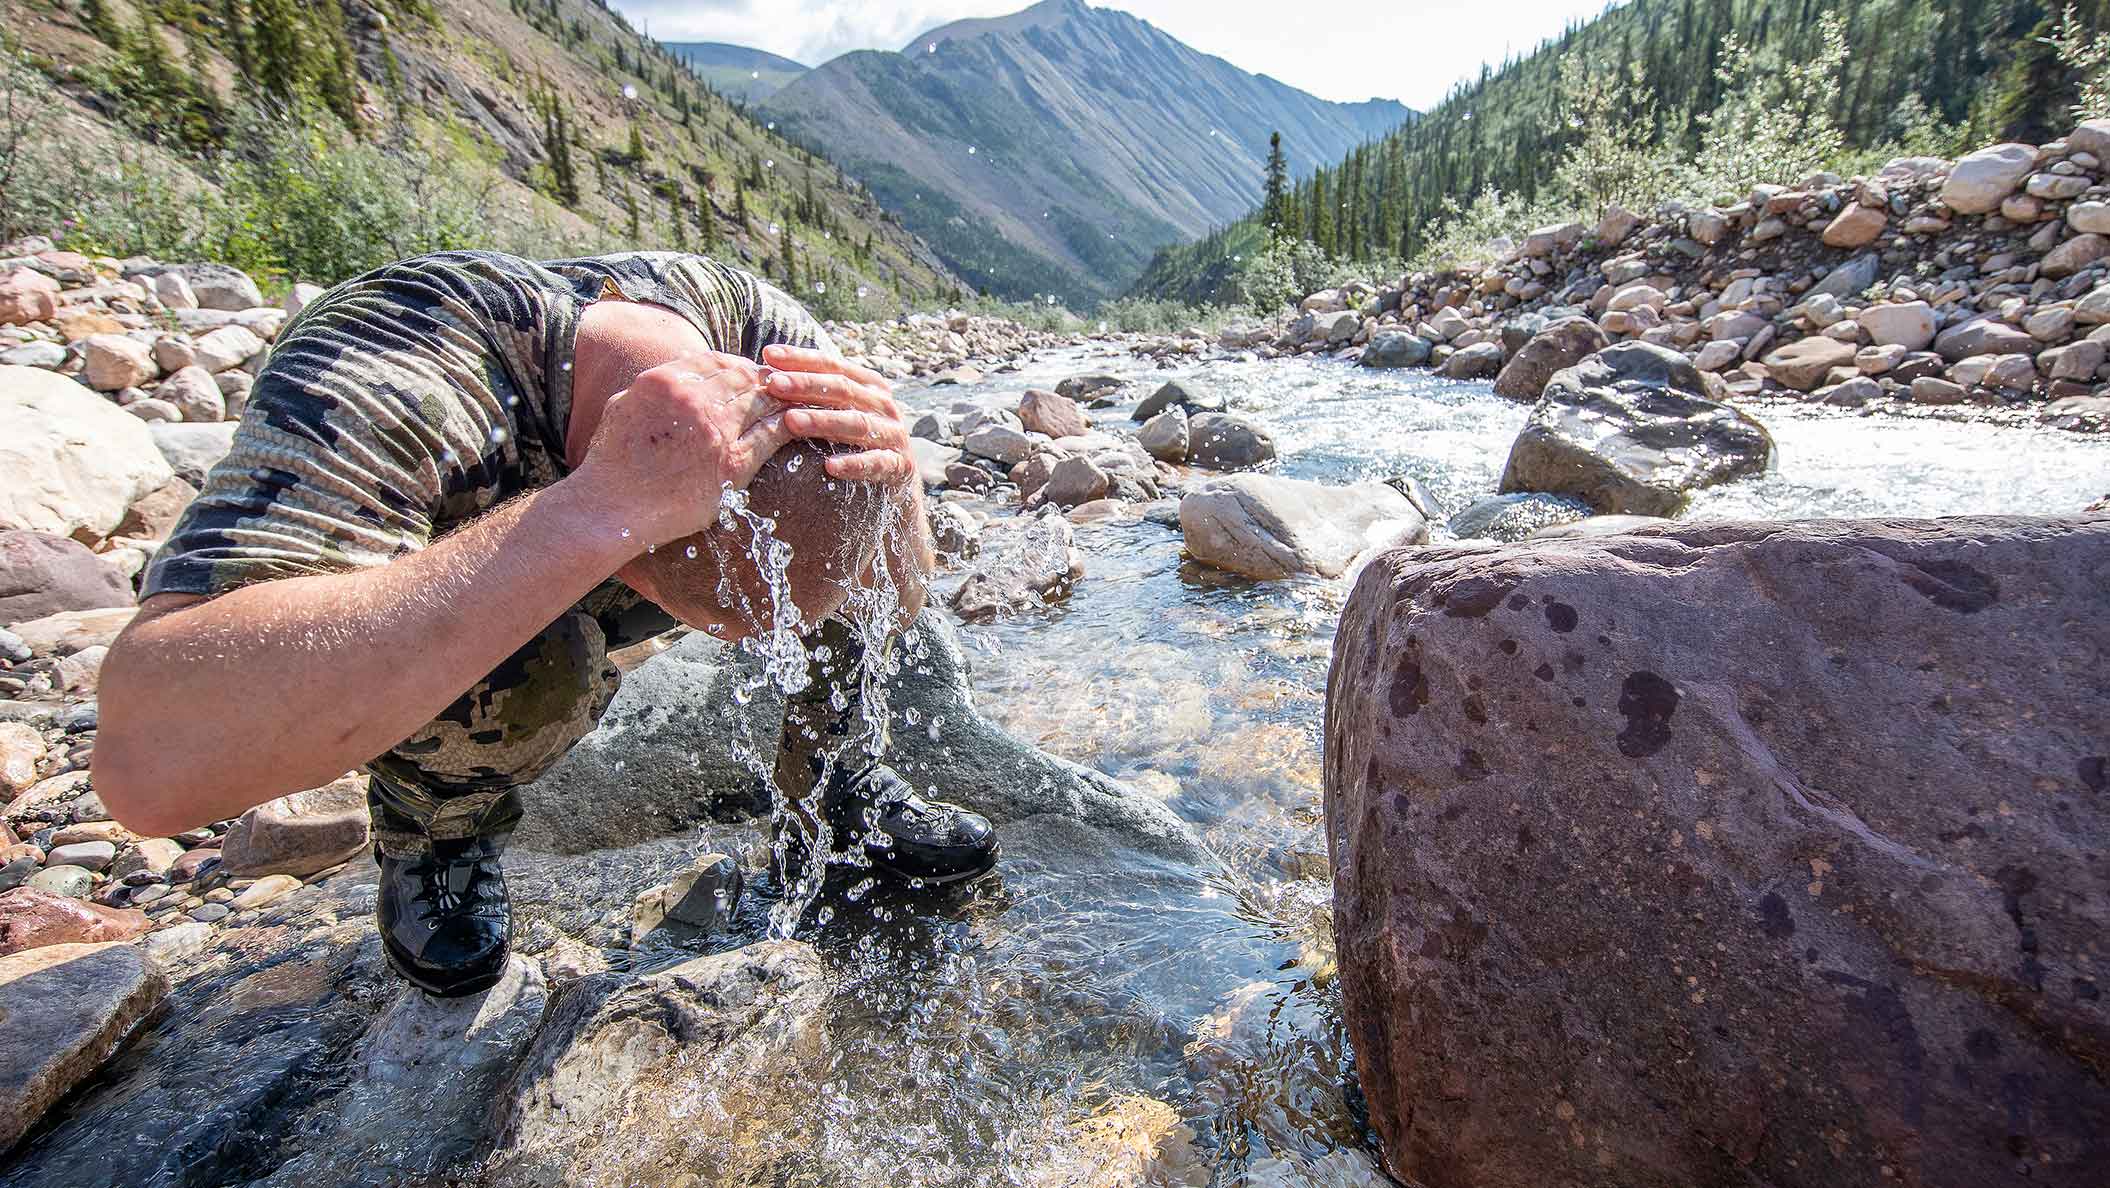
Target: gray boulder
x=1478 y=361
x=1177 y=394
x=192 y=450
x=1224 y=441
x=1515 y=517
x=1165 y=436
x=41 y=575
x=1396 y=348
x=1704 y=845
x=1849 y=280
x=1628 y=431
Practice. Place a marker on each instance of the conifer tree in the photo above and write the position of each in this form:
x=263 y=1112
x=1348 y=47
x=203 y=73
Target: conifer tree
x=706 y=221
x=1274 y=186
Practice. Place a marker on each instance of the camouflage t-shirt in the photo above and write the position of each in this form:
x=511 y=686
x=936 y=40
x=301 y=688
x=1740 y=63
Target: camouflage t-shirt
x=407 y=401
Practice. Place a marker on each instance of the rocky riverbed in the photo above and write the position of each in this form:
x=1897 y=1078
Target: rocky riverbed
x=1148 y=544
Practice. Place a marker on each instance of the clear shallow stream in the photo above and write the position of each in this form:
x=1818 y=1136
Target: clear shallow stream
x=1092 y=978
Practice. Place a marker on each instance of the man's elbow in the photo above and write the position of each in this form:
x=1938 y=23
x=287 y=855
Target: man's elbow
x=131 y=772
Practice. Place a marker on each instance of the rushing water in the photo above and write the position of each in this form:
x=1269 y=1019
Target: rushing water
x=1094 y=980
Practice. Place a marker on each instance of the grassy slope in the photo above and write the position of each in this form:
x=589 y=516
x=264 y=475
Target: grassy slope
x=470 y=75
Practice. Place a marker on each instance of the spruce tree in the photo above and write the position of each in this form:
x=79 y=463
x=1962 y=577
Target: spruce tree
x=1273 y=201
x=706 y=221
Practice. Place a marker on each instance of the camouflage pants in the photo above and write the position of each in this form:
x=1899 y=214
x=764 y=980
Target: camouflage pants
x=458 y=776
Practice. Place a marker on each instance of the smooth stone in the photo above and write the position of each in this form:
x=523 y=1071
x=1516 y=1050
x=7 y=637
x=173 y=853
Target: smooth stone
x=68 y=1008
x=34 y=915
x=89 y=855
x=1516 y=517
x=300 y=834
x=1267 y=527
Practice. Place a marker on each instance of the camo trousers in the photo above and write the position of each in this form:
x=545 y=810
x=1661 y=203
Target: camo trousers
x=459 y=775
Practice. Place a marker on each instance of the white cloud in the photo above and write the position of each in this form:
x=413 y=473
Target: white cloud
x=1410 y=50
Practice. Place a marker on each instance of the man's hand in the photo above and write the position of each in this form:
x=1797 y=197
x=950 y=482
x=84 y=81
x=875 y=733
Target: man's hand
x=667 y=445
x=846 y=404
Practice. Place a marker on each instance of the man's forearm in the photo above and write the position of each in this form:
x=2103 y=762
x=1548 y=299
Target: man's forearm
x=213 y=707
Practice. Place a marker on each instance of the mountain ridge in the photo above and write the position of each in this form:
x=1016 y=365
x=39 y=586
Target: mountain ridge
x=1053 y=150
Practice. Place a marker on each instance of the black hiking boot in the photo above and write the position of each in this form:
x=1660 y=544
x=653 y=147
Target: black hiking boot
x=903 y=835
x=446 y=924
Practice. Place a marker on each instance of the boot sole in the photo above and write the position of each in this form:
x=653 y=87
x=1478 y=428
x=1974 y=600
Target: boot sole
x=797 y=858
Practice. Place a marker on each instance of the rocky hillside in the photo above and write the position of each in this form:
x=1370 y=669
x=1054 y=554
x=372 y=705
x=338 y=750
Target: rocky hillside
x=1050 y=152
x=735 y=71
x=566 y=130
x=1984 y=281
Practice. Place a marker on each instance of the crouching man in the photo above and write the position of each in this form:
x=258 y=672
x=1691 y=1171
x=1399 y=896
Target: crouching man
x=460 y=481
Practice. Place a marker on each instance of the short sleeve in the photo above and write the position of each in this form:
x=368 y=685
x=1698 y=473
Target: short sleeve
x=366 y=429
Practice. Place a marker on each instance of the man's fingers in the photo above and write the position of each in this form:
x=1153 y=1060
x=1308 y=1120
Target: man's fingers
x=848 y=426
x=829 y=391
x=871 y=466
x=794 y=358
x=760 y=443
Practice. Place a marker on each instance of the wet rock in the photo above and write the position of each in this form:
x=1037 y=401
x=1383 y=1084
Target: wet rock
x=70 y=461
x=1223 y=441
x=1177 y=394
x=1265 y=526
x=32 y=917
x=647 y=772
x=1132 y=1142
x=68 y=1008
x=1396 y=348
x=41 y=574
x=422 y=1080
x=1628 y=431
x=593 y=1090
x=1052 y=414
x=155 y=856
x=300 y=834
x=1089 y=388
x=1075 y=481
x=1165 y=436
x=266 y=890
x=931 y=460
x=1559 y=346
x=702 y=898
x=954 y=533
x=1003 y=444
x=1705 y=883
x=193 y=450
x=1020 y=571
x=1516 y=517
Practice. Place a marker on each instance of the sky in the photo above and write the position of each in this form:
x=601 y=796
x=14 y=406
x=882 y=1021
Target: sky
x=1409 y=50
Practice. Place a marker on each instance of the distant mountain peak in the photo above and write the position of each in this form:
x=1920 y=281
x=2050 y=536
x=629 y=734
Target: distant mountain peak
x=1044 y=15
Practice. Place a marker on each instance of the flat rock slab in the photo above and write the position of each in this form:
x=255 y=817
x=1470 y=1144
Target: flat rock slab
x=64 y=1010
x=1736 y=853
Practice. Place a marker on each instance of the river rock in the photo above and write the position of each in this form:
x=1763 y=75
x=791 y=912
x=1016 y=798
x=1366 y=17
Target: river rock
x=1021 y=569
x=1225 y=441
x=65 y=881
x=1560 y=345
x=1806 y=363
x=1515 y=517
x=1717 y=939
x=1165 y=436
x=615 y=1049
x=931 y=460
x=1597 y=526
x=1176 y=394
x=221 y=287
x=21 y=748
x=1478 y=361
x=114 y=361
x=300 y=834
x=1856 y=226
x=1907 y=324
x=194 y=394
x=88 y=855
x=1396 y=348
x=646 y=772
x=1849 y=280
x=1985 y=334
x=67 y=632
x=32 y=917
x=27 y=295
x=1628 y=431
x=1977 y=183
x=1053 y=414
x=70 y=461
x=2074 y=255
x=1003 y=444
x=192 y=450
x=68 y=1009
x=1087 y=388
x=1266 y=526
x=41 y=575
x=1075 y=481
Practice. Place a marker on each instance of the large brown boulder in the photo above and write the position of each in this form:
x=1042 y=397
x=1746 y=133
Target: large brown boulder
x=1630 y=431
x=1730 y=854
x=1560 y=345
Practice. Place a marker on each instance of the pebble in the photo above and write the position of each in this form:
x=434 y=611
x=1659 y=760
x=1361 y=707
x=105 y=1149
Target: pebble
x=218 y=895
x=89 y=855
x=73 y=882
x=268 y=889
x=210 y=913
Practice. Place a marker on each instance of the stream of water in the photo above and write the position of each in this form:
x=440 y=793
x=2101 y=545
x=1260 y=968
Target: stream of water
x=1093 y=982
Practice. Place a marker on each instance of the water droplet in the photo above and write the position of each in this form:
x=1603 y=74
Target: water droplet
x=820 y=287
x=862 y=290
x=690 y=552
x=770 y=164
x=651 y=549
x=626 y=534
x=970 y=150
x=566 y=365
x=932 y=49
x=499 y=435
x=754 y=74
x=792 y=464
x=629 y=92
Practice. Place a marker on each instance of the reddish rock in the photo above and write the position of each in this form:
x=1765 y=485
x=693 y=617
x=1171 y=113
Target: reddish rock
x=1056 y=416
x=1730 y=854
x=27 y=296
x=302 y=833
x=31 y=919
x=1559 y=346
x=186 y=868
x=42 y=574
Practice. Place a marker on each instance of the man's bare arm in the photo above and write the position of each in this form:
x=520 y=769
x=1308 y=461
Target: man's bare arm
x=211 y=707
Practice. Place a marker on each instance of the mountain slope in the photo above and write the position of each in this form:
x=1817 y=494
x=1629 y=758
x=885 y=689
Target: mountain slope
x=569 y=130
x=1921 y=76
x=735 y=71
x=1051 y=151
